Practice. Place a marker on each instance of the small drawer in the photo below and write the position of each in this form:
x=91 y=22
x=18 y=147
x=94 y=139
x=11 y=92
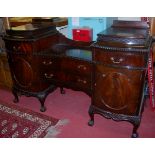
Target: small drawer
x=76 y=66
x=48 y=63
x=80 y=82
x=19 y=47
x=49 y=75
x=120 y=58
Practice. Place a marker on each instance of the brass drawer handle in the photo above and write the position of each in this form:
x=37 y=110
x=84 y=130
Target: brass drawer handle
x=47 y=63
x=116 y=61
x=83 y=81
x=49 y=76
x=82 y=66
x=16 y=48
x=103 y=75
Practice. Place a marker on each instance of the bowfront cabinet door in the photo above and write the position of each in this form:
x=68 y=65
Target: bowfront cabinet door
x=118 y=90
x=25 y=72
x=22 y=72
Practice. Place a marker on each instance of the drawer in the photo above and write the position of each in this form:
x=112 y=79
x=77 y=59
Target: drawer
x=78 y=81
x=49 y=63
x=120 y=58
x=50 y=75
x=19 y=46
x=76 y=66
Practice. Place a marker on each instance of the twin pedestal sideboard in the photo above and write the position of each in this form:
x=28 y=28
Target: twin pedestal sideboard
x=112 y=70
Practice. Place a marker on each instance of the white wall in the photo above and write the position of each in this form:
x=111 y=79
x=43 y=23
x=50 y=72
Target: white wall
x=63 y=30
x=130 y=18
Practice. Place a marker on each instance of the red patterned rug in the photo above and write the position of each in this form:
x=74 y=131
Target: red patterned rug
x=17 y=122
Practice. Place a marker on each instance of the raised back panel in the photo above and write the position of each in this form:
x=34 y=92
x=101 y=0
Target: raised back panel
x=130 y=24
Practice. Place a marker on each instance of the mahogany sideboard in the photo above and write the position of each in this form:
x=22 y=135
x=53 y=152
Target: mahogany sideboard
x=111 y=71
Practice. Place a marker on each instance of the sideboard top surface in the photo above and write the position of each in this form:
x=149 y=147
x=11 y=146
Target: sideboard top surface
x=31 y=31
x=130 y=33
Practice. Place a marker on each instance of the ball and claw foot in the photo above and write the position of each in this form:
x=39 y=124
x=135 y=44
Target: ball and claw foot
x=62 y=91
x=134 y=135
x=91 y=123
x=43 y=109
x=16 y=100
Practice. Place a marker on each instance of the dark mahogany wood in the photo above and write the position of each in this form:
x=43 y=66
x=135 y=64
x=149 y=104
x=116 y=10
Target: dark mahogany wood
x=42 y=59
x=130 y=24
x=121 y=57
x=111 y=71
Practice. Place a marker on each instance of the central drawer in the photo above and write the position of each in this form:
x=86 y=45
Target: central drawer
x=76 y=81
x=76 y=66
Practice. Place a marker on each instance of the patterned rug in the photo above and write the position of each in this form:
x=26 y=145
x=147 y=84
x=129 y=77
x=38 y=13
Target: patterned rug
x=17 y=122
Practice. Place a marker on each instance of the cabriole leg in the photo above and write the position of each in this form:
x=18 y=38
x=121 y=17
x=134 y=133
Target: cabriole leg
x=91 y=114
x=134 y=132
x=16 y=99
x=42 y=100
x=62 y=91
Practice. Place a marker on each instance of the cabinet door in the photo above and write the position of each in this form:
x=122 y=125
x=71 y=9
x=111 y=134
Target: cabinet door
x=25 y=72
x=118 y=90
x=22 y=71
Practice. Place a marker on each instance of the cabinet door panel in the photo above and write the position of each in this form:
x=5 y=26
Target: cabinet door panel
x=118 y=90
x=25 y=72
x=22 y=72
